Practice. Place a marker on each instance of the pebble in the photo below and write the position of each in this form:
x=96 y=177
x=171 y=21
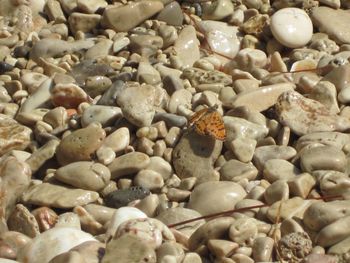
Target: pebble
x=105 y=115
x=14 y=136
x=339 y=17
x=294 y=33
x=137 y=104
x=230 y=193
x=313 y=116
x=191 y=159
x=52 y=243
x=116 y=17
x=84 y=175
x=236 y=171
x=122 y=197
x=123 y=214
x=46 y=194
x=127 y=164
x=81 y=144
x=171 y=14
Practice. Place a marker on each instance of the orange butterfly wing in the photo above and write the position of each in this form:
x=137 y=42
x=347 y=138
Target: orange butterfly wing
x=208 y=121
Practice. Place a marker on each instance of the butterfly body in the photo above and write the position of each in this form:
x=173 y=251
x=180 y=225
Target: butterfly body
x=209 y=122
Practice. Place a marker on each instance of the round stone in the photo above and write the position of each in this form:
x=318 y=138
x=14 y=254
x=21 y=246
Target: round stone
x=292 y=27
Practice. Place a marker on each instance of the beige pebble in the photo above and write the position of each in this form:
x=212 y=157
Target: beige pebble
x=83 y=22
x=179 y=214
x=105 y=115
x=265 y=153
x=146 y=73
x=186 y=46
x=117 y=140
x=295 y=206
x=326 y=93
x=120 y=248
x=234 y=170
x=268 y=94
x=14 y=136
x=179 y=97
x=150 y=133
x=160 y=166
x=149 y=179
x=100 y=49
x=159 y=148
x=149 y=205
x=101 y=214
x=214 y=229
x=221 y=248
x=334 y=183
x=336 y=139
x=88 y=223
x=105 y=155
x=145 y=145
x=229 y=192
x=84 y=175
x=172 y=136
x=46 y=194
x=290 y=225
x=137 y=104
x=243 y=231
x=128 y=164
x=301 y=185
x=56 y=117
x=239 y=127
x=321 y=214
x=140 y=11
x=276 y=169
x=277 y=191
x=317 y=158
x=243 y=149
x=305 y=115
x=178 y=195
x=241 y=258
x=80 y=144
x=334 y=232
x=262 y=249
x=68 y=95
x=21 y=220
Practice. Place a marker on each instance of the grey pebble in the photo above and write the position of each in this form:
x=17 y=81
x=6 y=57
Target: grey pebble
x=120 y=198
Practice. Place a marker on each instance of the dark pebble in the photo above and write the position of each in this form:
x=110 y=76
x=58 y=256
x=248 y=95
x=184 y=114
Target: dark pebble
x=5 y=67
x=123 y=197
x=21 y=51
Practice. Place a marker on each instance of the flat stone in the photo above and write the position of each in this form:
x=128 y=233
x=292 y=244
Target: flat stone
x=333 y=22
x=117 y=18
x=13 y=135
x=171 y=14
x=83 y=22
x=267 y=95
x=317 y=158
x=127 y=164
x=46 y=194
x=305 y=115
x=204 y=197
x=84 y=175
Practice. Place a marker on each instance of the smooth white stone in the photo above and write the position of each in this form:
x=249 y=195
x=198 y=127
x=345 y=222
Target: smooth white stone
x=222 y=38
x=292 y=27
x=51 y=243
x=121 y=215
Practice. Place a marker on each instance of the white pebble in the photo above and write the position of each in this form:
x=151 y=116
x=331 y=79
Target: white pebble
x=292 y=27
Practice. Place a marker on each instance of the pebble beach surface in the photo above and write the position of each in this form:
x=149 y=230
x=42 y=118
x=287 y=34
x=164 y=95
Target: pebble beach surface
x=102 y=152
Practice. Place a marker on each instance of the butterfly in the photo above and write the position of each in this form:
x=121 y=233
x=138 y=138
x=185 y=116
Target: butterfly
x=209 y=121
